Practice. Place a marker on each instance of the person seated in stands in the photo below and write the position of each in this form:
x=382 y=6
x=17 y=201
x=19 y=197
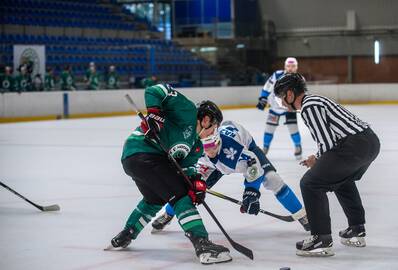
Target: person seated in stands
x=49 y=80
x=6 y=80
x=67 y=79
x=112 y=79
x=92 y=77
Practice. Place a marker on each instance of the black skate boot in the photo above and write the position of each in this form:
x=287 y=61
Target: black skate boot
x=123 y=239
x=161 y=222
x=353 y=236
x=208 y=252
x=298 y=151
x=315 y=246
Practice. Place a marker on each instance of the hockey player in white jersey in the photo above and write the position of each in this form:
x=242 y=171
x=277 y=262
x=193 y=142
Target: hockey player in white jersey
x=267 y=96
x=231 y=149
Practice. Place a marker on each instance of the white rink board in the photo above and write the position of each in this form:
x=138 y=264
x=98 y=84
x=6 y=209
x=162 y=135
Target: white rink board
x=112 y=101
x=76 y=164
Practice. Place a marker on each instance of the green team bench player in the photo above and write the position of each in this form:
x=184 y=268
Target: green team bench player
x=7 y=81
x=179 y=125
x=67 y=79
x=112 y=79
x=92 y=78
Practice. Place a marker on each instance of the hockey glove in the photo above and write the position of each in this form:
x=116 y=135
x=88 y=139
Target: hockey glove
x=153 y=123
x=251 y=203
x=198 y=190
x=262 y=103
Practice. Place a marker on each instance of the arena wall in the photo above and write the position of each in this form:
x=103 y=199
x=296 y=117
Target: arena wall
x=57 y=105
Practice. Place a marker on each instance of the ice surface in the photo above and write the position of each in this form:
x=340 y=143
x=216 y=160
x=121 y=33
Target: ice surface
x=76 y=164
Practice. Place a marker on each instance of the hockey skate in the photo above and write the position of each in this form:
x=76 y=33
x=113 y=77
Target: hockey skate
x=161 y=222
x=265 y=150
x=208 y=252
x=298 y=151
x=353 y=236
x=123 y=239
x=315 y=246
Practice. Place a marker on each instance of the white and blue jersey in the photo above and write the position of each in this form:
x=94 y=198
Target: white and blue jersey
x=268 y=92
x=238 y=153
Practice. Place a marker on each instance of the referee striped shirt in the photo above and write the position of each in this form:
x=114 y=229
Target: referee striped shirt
x=328 y=121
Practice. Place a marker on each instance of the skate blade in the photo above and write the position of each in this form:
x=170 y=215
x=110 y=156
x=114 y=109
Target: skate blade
x=157 y=231
x=109 y=248
x=353 y=242
x=319 y=252
x=298 y=157
x=112 y=248
x=207 y=258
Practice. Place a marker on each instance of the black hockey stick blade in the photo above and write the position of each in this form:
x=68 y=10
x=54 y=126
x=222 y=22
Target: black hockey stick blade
x=238 y=247
x=54 y=207
x=225 y=197
x=242 y=249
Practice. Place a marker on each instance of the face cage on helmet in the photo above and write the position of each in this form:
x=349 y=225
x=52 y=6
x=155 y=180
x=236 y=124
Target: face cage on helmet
x=211 y=141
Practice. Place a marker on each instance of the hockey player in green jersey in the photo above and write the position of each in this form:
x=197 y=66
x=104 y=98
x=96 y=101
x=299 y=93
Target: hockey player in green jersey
x=49 y=80
x=112 y=79
x=67 y=79
x=7 y=80
x=23 y=81
x=179 y=125
x=92 y=78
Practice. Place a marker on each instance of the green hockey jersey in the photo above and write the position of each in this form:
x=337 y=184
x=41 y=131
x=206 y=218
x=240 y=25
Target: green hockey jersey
x=178 y=134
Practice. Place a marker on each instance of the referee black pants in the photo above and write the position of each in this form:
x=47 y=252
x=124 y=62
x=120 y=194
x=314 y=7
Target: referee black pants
x=336 y=171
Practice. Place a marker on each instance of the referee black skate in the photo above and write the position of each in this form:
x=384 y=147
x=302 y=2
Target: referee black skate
x=346 y=148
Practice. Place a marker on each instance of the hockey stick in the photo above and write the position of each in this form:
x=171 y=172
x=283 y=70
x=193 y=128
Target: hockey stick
x=54 y=207
x=238 y=247
x=225 y=197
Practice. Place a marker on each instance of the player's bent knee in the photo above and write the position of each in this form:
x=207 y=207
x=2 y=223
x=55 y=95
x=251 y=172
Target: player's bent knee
x=273 y=182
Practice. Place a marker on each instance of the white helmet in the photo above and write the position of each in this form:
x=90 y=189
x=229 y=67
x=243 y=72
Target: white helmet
x=291 y=60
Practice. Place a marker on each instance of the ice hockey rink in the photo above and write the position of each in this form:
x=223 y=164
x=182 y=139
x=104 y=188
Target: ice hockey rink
x=76 y=164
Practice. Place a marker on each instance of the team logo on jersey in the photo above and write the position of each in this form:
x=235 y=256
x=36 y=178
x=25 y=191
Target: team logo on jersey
x=187 y=132
x=230 y=153
x=252 y=173
x=179 y=151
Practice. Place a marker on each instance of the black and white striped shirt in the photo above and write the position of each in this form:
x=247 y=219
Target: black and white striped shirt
x=328 y=121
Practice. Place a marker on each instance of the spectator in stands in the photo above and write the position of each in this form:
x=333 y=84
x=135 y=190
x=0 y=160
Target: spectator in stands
x=112 y=79
x=147 y=82
x=37 y=84
x=23 y=81
x=49 y=80
x=67 y=79
x=7 y=80
x=92 y=78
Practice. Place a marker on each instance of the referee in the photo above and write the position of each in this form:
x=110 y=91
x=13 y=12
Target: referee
x=346 y=148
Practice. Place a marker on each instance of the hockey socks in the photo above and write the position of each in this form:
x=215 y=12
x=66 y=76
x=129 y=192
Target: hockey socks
x=141 y=216
x=267 y=139
x=288 y=199
x=170 y=210
x=189 y=218
x=296 y=138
